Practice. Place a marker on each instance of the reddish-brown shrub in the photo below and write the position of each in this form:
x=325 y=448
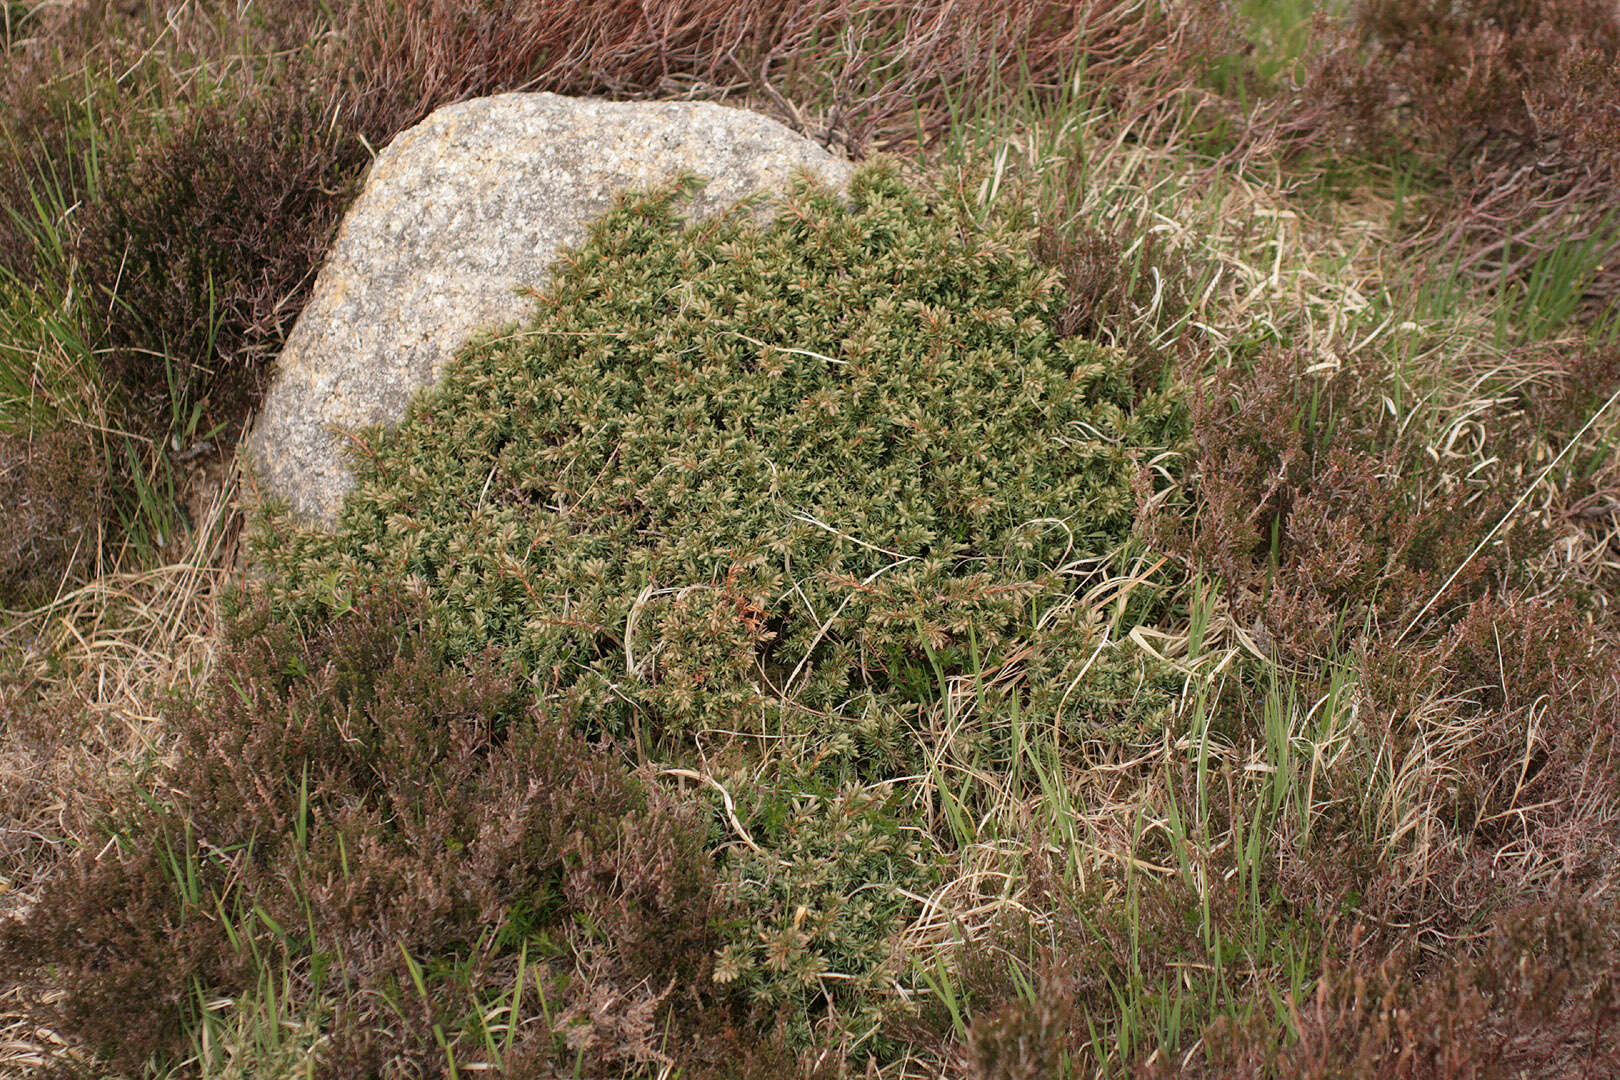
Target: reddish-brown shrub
x=1315 y=509
x=353 y=787
x=1104 y=973
x=1337 y=536
x=1511 y=721
x=1537 y=997
x=1142 y=304
x=882 y=68
x=1327 y=517
x=1511 y=104
x=205 y=241
x=1542 y=783
x=59 y=111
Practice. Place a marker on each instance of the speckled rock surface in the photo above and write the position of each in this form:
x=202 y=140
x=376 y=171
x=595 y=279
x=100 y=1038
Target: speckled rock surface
x=457 y=214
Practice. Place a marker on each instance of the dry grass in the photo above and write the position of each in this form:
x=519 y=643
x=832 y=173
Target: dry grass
x=1381 y=777
x=1505 y=107
x=89 y=678
x=879 y=71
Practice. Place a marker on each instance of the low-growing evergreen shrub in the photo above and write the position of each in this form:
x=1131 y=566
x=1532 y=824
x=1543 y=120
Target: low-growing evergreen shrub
x=749 y=477
x=353 y=802
x=205 y=240
x=740 y=486
x=54 y=487
x=1505 y=107
x=744 y=496
x=820 y=902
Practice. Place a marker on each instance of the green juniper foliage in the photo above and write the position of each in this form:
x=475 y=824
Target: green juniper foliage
x=743 y=477
x=758 y=490
x=819 y=902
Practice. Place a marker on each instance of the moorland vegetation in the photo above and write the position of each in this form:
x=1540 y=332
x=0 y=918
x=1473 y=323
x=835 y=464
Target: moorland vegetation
x=1125 y=592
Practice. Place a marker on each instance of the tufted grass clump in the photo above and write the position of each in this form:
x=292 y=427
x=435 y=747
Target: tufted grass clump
x=755 y=478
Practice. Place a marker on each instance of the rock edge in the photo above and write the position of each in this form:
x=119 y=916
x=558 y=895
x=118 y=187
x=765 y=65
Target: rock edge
x=457 y=214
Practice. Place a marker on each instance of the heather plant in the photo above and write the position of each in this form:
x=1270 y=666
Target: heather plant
x=1505 y=108
x=1299 y=509
x=892 y=685
x=55 y=493
x=1106 y=292
x=1104 y=985
x=1378 y=522
x=169 y=210
x=1535 y=994
x=869 y=76
x=211 y=232
x=56 y=465
x=389 y=833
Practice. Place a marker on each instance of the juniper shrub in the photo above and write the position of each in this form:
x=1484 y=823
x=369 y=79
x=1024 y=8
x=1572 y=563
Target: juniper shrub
x=738 y=481
x=195 y=158
x=734 y=476
x=820 y=904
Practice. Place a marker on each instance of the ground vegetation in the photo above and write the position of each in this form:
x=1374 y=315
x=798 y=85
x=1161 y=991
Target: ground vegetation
x=1153 y=616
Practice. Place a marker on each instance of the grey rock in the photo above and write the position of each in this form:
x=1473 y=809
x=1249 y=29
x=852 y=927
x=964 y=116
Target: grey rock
x=456 y=215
